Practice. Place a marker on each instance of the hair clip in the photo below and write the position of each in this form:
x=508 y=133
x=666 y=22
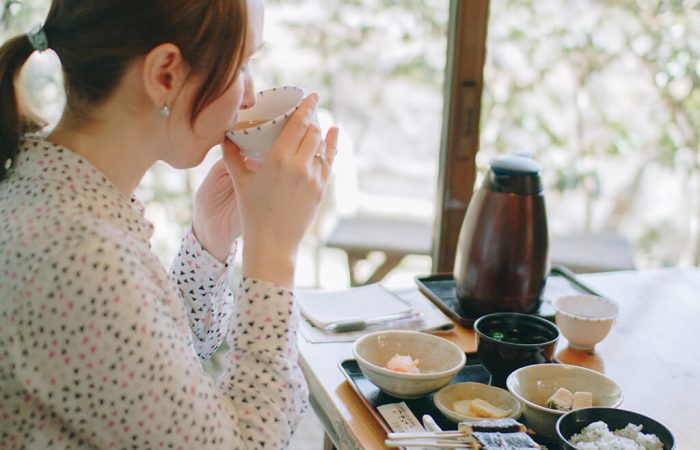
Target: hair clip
x=37 y=37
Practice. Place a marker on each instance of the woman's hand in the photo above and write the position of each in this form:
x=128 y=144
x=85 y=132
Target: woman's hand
x=279 y=198
x=216 y=222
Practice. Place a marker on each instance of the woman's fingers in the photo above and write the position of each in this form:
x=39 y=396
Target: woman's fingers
x=309 y=145
x=233 y=160
x=320 y=154
x=331 y=149
x=296 y=128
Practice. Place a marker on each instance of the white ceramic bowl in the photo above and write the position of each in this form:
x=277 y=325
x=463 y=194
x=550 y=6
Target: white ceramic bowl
x=447 y=396
x=273 y=106
x=439 y=361
x=533 y=385
x=584 y=320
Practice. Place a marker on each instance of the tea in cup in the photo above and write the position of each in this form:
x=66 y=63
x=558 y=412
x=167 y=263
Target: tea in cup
x=260 y=126
x=248 y=124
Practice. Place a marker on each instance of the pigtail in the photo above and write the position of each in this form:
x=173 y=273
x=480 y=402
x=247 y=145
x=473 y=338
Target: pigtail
x=13 y=54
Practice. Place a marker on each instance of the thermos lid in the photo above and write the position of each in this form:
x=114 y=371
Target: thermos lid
x=515 y=173
x=516 y=164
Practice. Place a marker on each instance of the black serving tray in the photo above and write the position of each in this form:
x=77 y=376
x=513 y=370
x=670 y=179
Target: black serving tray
x=373 y=397
x=440 y=289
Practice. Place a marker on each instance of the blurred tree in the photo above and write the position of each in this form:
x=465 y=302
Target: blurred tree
x=605 y=93
x=378 y=65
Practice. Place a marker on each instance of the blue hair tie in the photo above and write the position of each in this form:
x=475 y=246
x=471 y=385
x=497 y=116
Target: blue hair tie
x=37 y=37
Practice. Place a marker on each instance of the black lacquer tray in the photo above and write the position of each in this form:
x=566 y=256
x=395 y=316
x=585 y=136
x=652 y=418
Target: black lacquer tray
x=373 y=397
x=440 y=289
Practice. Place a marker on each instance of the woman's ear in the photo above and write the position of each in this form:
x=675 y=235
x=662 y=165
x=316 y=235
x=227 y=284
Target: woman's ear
x=164 y=73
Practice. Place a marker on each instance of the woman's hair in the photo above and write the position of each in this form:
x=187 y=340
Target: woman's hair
x=97 y=40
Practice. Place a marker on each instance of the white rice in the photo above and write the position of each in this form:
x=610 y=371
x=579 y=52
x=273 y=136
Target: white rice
x=597 y=436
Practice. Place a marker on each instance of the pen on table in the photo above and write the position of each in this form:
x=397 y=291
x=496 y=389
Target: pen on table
x=356 y=325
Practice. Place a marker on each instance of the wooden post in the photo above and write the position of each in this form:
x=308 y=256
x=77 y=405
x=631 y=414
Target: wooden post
x=460 y=137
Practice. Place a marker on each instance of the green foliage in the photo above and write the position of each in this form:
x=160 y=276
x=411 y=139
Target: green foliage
x=585 y=84
x=367 y=43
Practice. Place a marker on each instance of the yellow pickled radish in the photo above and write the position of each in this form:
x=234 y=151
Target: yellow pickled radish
x=463 y=407
x=486 y=409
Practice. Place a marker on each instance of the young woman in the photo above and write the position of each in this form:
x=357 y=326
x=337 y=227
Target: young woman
x=100 y=347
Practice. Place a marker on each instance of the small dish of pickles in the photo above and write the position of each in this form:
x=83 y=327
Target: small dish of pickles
x=476 y=401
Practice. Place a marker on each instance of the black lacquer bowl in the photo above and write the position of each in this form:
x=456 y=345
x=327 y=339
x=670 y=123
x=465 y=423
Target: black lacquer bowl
x=509 y=341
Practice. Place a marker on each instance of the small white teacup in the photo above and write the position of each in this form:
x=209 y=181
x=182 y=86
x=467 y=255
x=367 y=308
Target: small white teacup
x=259 y=127
x=585 y=320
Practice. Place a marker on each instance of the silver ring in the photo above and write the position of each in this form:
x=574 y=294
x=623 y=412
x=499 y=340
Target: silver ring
x=321 y=156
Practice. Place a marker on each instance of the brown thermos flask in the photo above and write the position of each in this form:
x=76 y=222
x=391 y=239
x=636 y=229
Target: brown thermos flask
x=502 y=258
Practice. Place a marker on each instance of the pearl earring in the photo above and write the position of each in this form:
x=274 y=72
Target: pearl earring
x=165 y=110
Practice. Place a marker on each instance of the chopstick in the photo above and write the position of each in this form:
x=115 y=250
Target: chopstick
x=434 y=439
x=430 y=425
x=434 y=443
x=426 y=435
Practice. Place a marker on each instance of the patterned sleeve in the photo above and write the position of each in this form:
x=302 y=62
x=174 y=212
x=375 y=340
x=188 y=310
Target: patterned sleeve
x=264 y=357
x=203 y=283
x=114 y=363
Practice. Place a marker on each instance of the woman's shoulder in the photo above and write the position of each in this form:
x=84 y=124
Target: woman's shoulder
x=37 y=227
x=55 y=199
x=63 y=238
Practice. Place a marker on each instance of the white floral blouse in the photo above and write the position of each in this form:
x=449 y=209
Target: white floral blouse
x=101 y=348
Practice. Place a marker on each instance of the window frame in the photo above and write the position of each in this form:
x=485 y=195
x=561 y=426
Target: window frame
x=466 y=52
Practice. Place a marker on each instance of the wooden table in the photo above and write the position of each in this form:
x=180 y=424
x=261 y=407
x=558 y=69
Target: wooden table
x=653 y=352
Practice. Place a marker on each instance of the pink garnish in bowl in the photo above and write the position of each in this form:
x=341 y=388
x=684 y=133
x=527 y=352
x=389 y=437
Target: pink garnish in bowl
x=403 y=363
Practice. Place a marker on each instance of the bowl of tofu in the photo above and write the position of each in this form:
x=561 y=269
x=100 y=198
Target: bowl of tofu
x=548 y=391
x=470 y=401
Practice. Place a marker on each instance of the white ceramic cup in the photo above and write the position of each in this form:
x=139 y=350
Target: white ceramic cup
x=584 y=320
x=259 y=127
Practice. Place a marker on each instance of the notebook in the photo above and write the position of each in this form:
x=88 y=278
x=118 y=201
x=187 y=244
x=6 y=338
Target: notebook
x=427 y=317
x=323 y=308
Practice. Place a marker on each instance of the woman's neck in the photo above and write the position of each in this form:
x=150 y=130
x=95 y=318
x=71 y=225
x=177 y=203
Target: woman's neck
x=119 y=147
